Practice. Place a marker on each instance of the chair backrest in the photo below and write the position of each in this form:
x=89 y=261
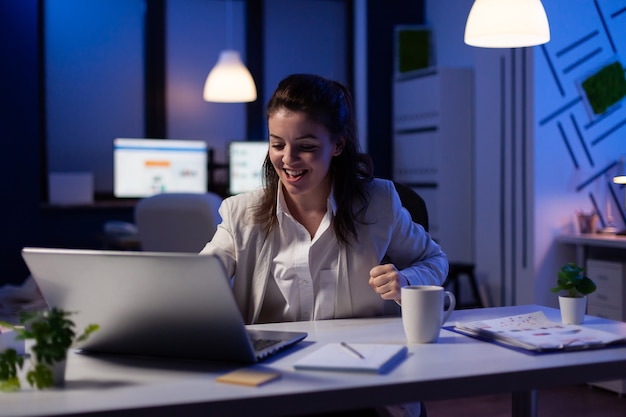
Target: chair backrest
x=414 y=203
x=177 y=222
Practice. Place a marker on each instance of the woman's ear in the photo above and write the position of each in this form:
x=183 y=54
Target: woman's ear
x=339 y=146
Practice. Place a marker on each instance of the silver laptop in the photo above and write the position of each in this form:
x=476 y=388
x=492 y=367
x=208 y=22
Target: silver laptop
x=154 y=304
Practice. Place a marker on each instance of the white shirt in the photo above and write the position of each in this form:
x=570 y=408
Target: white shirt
x=385 y=231
x=305 y=269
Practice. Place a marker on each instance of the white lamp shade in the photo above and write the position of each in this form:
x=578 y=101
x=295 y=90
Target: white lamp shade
x=620 y=177
x=229 y=81
x=507 y=24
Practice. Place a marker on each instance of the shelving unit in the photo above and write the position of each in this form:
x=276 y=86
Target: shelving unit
x=608 y=301
x=433 y=151
x=609 y=274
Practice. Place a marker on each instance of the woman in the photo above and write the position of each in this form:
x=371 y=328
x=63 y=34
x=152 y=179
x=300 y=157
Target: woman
x=322 y=239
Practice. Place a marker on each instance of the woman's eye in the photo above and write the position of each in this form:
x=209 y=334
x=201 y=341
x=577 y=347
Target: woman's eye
x=278 y=146
x=307 y=148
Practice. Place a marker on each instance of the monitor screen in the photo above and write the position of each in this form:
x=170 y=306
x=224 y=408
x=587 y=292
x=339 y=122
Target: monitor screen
x=144 y=167
x=245 y=165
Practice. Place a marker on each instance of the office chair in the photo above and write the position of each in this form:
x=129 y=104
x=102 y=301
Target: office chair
x=416 y=206
x=177 y=222
x=414 y=203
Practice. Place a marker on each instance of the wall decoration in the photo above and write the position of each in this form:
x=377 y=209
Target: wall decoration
x=604 y=88
x=581 y=97
x=413 y=49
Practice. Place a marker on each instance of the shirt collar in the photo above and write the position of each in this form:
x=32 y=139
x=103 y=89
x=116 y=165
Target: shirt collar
x=282 y=210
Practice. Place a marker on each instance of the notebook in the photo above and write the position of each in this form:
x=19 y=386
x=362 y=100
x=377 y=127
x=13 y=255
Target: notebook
x=356 y=357
x=152 y=304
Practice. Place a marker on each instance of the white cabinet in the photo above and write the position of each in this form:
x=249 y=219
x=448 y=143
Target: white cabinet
x=433 y=151
x=608 y=301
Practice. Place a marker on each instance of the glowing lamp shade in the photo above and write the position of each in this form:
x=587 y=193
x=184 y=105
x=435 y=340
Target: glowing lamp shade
x=620 y=175
x=620 y=179
x=507 y=24
x=229 y=81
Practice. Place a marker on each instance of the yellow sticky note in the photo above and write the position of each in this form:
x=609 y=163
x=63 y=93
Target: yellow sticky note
x=249 y=377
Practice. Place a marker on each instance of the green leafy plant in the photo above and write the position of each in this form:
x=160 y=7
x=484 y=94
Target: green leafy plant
x=53 y=334
x=10 y=362
x=573 y=281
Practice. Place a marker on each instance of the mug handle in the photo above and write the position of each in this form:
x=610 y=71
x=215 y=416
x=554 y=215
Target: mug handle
x=451 y=305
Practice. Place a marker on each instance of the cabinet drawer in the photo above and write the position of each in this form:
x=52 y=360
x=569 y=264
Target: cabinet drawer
x=416 y=157
x=609 y=278
x=611 y=313
x=416 y=103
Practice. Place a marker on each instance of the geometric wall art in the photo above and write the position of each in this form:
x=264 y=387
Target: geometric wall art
x=581 y=106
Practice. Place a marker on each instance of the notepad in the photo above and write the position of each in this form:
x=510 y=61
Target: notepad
x=377 y=358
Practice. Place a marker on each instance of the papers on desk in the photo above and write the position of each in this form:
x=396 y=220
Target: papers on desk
x=357 y=357
x=535 y=332
x=8 y=341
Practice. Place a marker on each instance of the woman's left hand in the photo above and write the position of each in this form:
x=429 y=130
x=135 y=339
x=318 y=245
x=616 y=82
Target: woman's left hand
x=387 y=281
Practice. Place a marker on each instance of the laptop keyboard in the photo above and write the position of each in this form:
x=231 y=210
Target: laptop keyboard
x=260 y=344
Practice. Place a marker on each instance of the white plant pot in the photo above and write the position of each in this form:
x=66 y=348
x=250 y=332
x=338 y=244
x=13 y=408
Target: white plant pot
x=573 y=309
x=58 y=373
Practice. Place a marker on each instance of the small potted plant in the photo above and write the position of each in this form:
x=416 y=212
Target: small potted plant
x=52 y=332
x=576 y=286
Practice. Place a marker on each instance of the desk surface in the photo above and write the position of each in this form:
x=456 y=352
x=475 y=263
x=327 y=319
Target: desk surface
x=456 y=366
x=594 y=239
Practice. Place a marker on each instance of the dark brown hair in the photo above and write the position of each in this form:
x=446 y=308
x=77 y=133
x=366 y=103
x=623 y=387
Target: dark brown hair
x=329 y=103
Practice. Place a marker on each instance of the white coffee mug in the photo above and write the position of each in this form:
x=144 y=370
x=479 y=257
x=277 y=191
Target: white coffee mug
x=423 y=311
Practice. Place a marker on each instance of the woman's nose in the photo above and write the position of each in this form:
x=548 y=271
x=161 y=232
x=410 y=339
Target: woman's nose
x=290 y=154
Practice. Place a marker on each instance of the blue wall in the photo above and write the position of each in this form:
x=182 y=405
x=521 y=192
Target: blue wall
x=25 y=220
x=21 y=132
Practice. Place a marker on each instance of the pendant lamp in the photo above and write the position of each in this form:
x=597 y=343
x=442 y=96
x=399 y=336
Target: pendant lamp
x=507 y=24
x=229 y=81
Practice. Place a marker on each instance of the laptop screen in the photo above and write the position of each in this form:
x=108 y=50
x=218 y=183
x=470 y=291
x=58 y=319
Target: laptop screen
x=245 y=165
x=144 y=167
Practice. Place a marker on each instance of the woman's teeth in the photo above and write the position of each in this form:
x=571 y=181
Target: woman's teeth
x=292 y=173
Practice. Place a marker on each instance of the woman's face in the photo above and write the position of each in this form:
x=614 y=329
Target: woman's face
x=301 y=151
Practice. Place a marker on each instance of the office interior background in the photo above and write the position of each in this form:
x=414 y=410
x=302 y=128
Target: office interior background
x=76 y=75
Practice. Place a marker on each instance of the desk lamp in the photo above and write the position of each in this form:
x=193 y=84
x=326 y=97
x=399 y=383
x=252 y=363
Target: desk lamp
x=507 y=24
x=620 y=178
x=229 y=81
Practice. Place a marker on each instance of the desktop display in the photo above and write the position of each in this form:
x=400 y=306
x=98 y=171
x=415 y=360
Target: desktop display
x=144 y=167
x=245 y=165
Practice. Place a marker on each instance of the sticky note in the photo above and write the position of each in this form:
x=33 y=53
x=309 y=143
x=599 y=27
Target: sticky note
x=249 y=377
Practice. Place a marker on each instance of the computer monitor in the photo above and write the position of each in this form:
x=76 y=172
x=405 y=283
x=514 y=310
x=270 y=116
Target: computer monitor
x=245 y=165
x=144 y=167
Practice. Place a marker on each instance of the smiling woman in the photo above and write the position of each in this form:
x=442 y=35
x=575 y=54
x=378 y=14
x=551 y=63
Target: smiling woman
x=322 y=239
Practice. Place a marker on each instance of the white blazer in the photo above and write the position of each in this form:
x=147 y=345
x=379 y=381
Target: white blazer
x=388 y=235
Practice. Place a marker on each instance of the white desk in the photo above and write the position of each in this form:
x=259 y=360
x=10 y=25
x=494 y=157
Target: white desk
x=584 y=241
x=456 y=366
